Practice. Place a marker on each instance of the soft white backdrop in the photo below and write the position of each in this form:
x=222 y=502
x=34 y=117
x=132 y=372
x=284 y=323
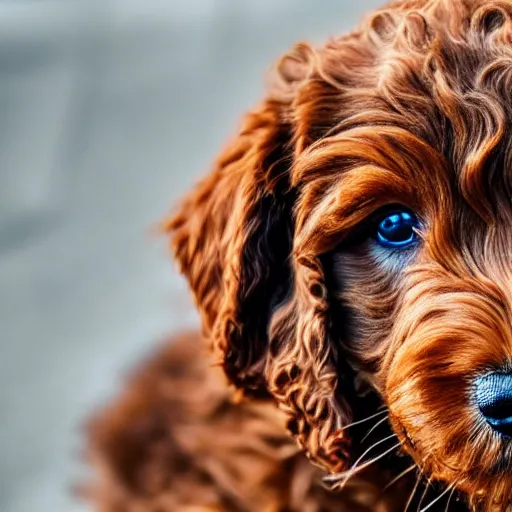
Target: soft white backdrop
x=109 y=111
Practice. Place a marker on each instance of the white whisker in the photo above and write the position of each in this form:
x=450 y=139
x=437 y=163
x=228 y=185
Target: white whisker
x=380 y=422
x=347 y=474
x=359 y=422
x=449 y=499
x=448 y=489
x=411 y=497
x=401 y=475
x=357 y=469
x=378 y=443
x=424 y=494
x=370 y=462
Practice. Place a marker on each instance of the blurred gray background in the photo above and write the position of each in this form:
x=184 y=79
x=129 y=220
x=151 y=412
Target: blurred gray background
x=109 y=111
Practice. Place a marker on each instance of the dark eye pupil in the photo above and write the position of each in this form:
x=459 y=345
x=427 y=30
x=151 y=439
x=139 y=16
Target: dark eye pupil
x=397 y=229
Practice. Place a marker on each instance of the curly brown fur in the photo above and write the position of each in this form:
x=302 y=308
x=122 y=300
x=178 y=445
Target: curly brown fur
x=308 y=315
x=178 y=439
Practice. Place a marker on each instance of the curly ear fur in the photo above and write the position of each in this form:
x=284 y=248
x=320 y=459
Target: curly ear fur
x=232 y=239
x=232 y=235
x=265 y=308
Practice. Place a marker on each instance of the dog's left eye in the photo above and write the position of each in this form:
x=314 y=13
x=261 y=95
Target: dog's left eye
x=397 y=229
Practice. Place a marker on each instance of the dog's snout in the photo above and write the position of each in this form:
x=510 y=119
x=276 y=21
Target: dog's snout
x=494 y=399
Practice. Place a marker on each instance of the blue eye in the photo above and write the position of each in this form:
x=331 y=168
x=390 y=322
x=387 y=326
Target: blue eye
x=397 y=229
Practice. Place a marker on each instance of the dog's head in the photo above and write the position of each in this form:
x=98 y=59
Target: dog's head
x=353 y=243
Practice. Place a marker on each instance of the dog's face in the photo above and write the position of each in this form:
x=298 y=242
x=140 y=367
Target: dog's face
x=353 y=245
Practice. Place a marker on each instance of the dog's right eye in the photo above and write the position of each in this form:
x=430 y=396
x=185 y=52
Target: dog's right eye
x=396 y=229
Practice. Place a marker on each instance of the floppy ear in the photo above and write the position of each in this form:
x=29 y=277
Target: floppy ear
x=232 y=235
x=233 y=238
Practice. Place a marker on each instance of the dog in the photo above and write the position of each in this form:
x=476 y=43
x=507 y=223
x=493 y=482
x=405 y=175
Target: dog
x=350 y=256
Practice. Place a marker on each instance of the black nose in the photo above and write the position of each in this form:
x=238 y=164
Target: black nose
x=494 y=399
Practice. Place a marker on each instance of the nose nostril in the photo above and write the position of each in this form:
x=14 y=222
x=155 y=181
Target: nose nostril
x=494 y=399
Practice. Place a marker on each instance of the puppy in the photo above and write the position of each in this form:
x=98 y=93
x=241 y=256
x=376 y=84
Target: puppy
x=350 y=254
